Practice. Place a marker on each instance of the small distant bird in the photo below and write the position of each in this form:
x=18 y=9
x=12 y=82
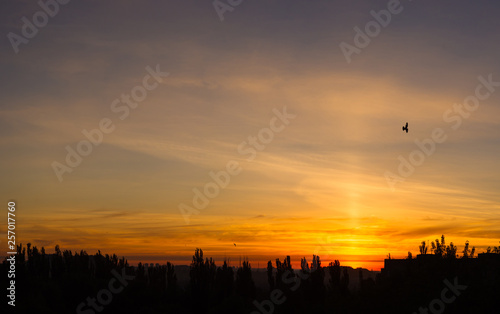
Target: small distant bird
x=405 y=128
x=234 y=244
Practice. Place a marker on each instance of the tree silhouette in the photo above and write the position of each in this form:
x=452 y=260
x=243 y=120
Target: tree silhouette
x=244 y=282
x=171 y=279
x=224 y=281
x=202 y=279
x=304 y=266
x=58 y=282
x=438 y=248
x=467 y=252
x=270 y=277
x=496 y=249
x=451 y=251
x=423 y=248
x=283 y=270
x=305 y=275
x=335 y=272
x=317 y=280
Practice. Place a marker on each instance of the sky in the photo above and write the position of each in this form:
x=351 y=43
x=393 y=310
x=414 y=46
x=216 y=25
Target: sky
x=262 y=89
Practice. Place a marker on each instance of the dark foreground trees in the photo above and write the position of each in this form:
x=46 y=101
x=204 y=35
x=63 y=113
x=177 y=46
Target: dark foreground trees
x=69 y=282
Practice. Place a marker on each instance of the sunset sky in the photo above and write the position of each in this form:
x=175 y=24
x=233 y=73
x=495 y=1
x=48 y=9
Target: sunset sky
x=318 y=187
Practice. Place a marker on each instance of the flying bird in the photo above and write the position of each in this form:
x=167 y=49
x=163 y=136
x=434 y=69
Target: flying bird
x=405 y=128
x=234 y=244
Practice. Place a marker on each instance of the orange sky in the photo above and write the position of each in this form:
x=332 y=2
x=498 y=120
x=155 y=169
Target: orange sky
x=317 y=187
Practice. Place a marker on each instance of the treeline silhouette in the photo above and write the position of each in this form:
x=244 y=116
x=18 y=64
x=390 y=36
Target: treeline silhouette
x=60 y=282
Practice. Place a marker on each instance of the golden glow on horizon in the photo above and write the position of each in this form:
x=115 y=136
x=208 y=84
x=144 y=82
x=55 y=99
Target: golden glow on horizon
x=363 y=242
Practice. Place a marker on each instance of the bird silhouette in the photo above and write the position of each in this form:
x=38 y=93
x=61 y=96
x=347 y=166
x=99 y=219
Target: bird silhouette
x=234 y=244
x=405 y=128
